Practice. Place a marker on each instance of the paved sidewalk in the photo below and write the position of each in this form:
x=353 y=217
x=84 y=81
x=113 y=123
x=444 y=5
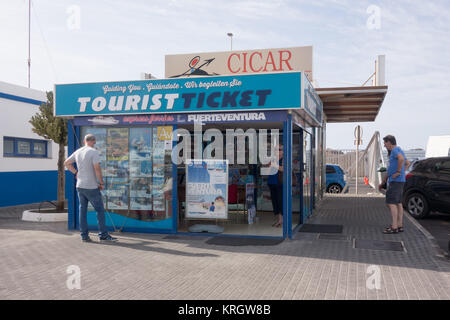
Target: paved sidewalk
x=35 y=258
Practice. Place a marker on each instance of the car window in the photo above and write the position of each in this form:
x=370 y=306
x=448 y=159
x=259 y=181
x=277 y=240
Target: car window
x=443 y=167
x=330 y=169
x=423 y=166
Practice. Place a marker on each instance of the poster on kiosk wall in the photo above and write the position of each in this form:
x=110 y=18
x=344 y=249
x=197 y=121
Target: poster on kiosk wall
x=207 y=189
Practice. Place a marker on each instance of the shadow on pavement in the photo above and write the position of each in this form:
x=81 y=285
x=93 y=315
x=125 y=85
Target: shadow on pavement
x=362 y=217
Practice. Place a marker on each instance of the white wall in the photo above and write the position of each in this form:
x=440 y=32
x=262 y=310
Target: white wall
x=438 y=146
x=14 y=123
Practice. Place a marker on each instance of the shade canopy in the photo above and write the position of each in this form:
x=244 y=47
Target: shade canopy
x=352 y=104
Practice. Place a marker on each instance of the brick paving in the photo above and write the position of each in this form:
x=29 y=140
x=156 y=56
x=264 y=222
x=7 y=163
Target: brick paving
x=35 y=257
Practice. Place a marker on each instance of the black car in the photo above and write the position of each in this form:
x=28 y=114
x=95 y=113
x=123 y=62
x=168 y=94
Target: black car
x=427 y=187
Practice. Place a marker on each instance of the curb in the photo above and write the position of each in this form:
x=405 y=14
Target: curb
x=440 y=252
x=30 y=215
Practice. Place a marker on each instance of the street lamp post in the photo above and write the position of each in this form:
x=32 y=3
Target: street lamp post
x=29 y=42
x=231 y=37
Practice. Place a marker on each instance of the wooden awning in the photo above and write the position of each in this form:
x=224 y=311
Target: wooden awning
x=352 y=104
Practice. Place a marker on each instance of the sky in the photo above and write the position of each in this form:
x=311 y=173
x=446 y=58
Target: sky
x=112 y=40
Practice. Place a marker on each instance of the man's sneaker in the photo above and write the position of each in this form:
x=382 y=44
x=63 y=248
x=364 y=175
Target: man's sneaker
x=87 y=239
x=108 y=238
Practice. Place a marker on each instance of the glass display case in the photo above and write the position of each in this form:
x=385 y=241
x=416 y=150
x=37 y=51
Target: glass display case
x=137 y=171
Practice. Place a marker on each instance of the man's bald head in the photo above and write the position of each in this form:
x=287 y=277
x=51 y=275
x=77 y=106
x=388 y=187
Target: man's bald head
x=89 y=139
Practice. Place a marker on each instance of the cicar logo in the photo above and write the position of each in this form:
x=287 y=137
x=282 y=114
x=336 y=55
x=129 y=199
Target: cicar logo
x=259 y=61
x=197 y=71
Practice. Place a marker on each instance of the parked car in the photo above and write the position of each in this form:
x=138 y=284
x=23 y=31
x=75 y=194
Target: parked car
x=335 y=178
x=427 y=187
x=412 y=164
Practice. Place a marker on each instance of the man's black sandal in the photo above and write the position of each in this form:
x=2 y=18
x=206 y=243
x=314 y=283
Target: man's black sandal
x=400 y=229
x=390 y=230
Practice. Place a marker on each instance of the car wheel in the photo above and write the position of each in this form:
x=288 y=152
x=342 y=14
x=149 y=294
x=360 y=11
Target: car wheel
x=334 y=188
x=417 y=205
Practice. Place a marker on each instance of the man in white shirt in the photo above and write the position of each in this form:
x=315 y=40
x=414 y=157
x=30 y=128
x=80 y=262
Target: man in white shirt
x=89 y=183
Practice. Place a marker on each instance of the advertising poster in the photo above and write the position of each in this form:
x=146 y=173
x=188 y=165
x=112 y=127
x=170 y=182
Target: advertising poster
x=117 y=194
x=117 y=144
x=140 y=143
x=116 y=169
x=207 y=189
x=140 y=194
x=160 y=134
x=250 y=202
x=141 y=168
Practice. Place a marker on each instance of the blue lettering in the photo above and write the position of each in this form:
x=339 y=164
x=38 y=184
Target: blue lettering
x=245 y=99
x=210 y=101
x=262 y=94
x=187 y=99
x=201 y=99
x=229 y=99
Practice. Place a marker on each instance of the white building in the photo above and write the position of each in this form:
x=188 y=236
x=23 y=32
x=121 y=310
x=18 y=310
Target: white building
x=438 y=146
x=28 y=162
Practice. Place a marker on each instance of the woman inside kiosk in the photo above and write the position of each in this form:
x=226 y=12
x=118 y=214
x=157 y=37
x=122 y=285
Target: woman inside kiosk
x=275 y=182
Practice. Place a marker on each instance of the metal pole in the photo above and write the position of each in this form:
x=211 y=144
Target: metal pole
x=357 y=149
x=231 y=37
x=29 y=41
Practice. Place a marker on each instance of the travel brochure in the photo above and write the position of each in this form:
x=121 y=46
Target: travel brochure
x=117 y=194
x=117 y=169
x=158 y=172
x=207 y=189
x=140 y=194
x=117 y=144
x=140 y=143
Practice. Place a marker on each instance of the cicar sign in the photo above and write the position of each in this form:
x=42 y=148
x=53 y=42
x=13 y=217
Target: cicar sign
x=239 y=62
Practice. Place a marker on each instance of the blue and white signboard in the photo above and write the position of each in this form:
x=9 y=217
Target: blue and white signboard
x=311 y=101
x=262 y=92
x=207 y=189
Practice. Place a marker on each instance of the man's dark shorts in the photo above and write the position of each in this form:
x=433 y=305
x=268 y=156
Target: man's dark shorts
x=394 y=192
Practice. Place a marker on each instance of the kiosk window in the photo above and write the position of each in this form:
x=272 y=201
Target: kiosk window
x=137 y=169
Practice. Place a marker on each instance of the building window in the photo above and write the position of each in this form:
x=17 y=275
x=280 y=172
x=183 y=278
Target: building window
x=25 y=148
x=39 y=148
x=8 y=146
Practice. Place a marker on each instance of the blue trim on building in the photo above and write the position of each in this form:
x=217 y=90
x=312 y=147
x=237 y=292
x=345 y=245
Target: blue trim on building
x=70 y=180
x=120 y=222
x=18 y=188
x=20 y=99
x=313 y=164
x=312 y=179
x=174 y=187
x=288 y=175
x=302 y=172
